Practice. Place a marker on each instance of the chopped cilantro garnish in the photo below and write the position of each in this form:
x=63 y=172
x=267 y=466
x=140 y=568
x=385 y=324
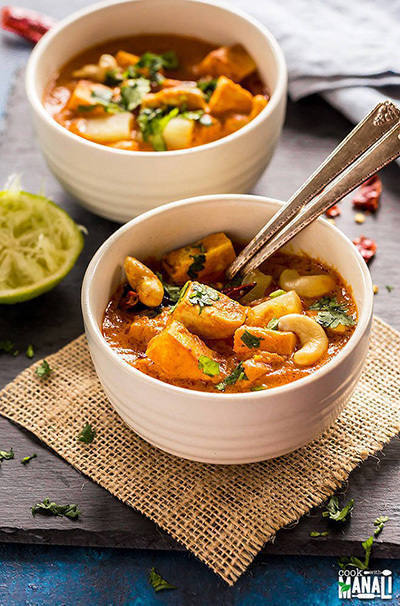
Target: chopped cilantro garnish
x=87 y=434
x=26 y=460
x=49 y=508
x=316 y=533
x=30 y=351
x=273 y=324
x=171 y=292
x=209 y=366
x=133 y=93
x=380 y=523
x=103 y=98
x=202 y=296
x=152 y=123
x=181 y=295
x=207 y=87
x=43 y=370
x=333 y=511
x=153 y=64
x=332 y=313
x=389 y=288
x=157 y=582
x=113 y=78
x=197 y=266
x=257 y=388
x=5 y=455
x=356 y=562
x=277 y=293
x=250 y=340
x=237 y=374
x=198 y=114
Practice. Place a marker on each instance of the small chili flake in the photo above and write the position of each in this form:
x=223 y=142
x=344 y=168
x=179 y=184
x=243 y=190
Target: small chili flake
x=369 y=194
x=366 y=247
x=333 y=211
x=129 y=299
x=237 y=292
x=25 y=23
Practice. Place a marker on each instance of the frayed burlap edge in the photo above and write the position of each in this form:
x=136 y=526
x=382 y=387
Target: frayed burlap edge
x=223 y=514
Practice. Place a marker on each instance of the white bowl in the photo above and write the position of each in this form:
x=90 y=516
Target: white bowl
x=223 y=428
x=120 y=184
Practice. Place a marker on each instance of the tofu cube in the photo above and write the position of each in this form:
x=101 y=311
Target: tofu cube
x=261 y=314
x=230 y=97
x=179 y=96
x=205 y=260
x=208 y=313
x=231 y=61
x=177 y=353
x=251 y=339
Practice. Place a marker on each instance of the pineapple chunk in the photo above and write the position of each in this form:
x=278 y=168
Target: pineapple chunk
x=229 y=96
x=259 y=365
x=249 y=339
x=205 y=260
x=112 y=128
x=125 y=59
x=177 y=96
x=82 y=97
x=231 y=61
x=261 y=314
x=178 y=354
x=178 y=133
x=208 y=313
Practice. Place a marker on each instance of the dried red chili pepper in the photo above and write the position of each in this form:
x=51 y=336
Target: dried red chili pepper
x=366 y=246
x=128 y=300
x=333 y=211
x=237 y=292
x=26 y=23
x=369 y=194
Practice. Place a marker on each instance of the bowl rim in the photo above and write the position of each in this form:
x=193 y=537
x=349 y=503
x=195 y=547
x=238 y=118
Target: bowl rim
x=278 y=93
x=93 y=329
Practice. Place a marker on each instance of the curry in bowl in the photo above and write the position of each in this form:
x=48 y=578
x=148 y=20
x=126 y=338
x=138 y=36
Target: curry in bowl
x=178 y=320
x=157 y=93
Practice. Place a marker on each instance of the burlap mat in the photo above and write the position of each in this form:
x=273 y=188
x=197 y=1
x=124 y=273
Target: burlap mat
x=223 y=514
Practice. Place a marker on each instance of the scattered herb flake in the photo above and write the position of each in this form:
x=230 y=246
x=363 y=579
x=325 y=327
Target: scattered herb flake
x=209 y=366
x=207 y=87
x=181 y=295
x=273 y=324
x=389 y=288
x=26 y=460
x=157 y=582
x=104 y=98
x=87 y=434
x=49 y=508
x=5 y=455
x=250 y=340
x=133 y=92
x=333 y=511
x=152 y=123
x=277 y=293
x=331 y=313
x=30 y=351
x=43 y=370
x=316 y=533
x=380 y=523
x=202 y=296
x=258 y=388
x=237 y=374
x=356 y=562
x=7 y=346
x=197 y=266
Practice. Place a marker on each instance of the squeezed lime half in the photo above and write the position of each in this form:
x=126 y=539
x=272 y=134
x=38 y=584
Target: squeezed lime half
x=39 y=245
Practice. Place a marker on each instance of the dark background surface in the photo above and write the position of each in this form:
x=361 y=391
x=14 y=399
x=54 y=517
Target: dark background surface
x=312 y=130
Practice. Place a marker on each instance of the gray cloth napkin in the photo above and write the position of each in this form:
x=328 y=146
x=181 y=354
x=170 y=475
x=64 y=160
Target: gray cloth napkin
x=346 y=50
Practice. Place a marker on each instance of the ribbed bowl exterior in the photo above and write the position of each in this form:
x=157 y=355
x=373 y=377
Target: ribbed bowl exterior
x=223 y=428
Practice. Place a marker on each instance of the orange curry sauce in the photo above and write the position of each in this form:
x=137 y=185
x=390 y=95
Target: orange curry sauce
x=117 y=323
x=224 y=117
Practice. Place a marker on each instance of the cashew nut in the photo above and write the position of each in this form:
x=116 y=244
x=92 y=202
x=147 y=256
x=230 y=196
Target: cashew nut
x=148 y=287
x=313 y=340
x=97 y=72
x=306 y=286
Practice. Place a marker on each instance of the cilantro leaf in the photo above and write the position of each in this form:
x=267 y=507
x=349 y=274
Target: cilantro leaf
x=113 y=77
x=181 y=295
x=26 y=460
x=49 y=508
x=277 y=293
x=331 y=313
x=316 y=533
x=152 y=123
x=356 y=562
x=209 y=366
x=30 y=351
x=333 y=511
x=250 y=340
x=152 y=64
x=389 y=288
x=258 y=388
x=43 y=370
x=87 y=434
x=273 y=324
x=380 y=523
x=171 y=292
x=133 y=93
x=197 y=266
x=157 y=582
x=103 y=98
x=207 y=87
x=202 y=296
x=237 y=374
x=5 y=455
